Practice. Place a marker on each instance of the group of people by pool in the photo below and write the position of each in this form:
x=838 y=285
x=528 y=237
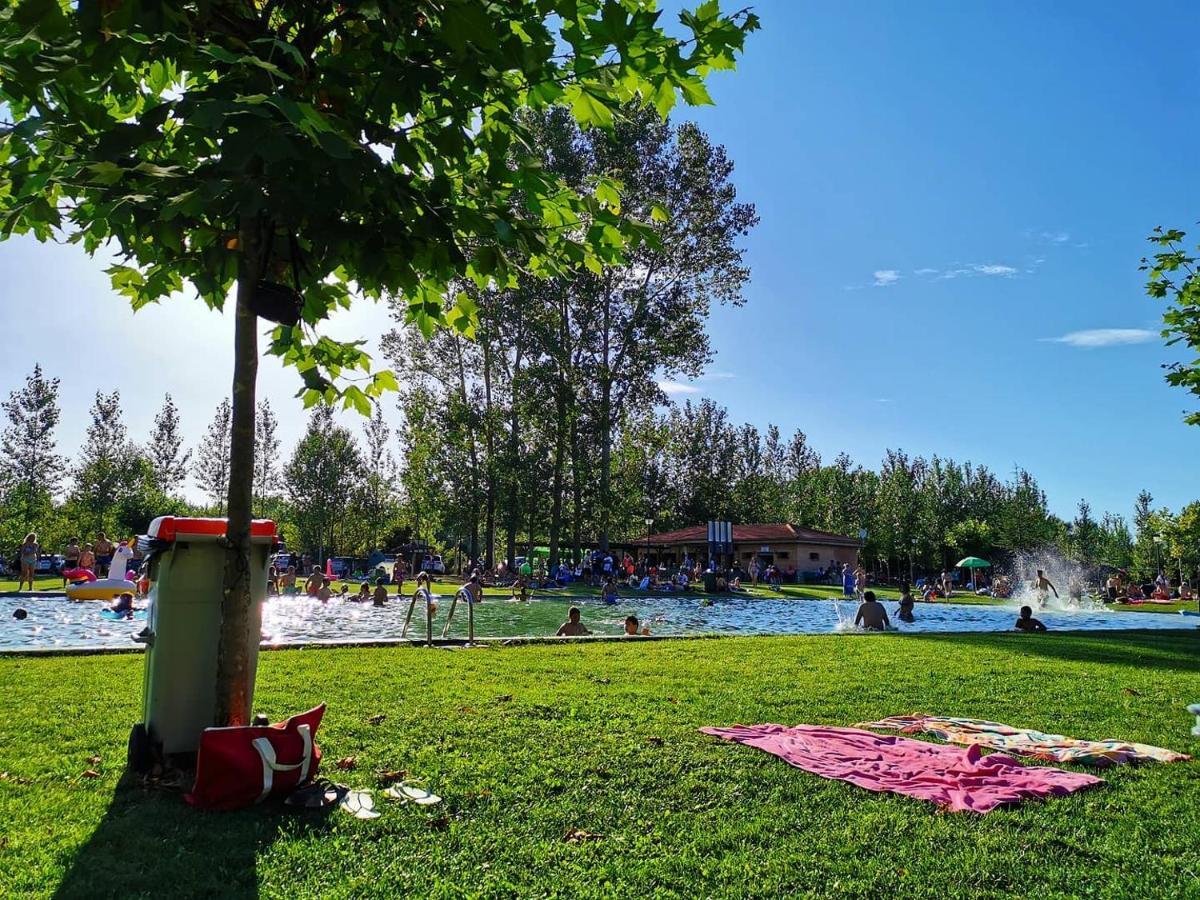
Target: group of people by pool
x=872 y=616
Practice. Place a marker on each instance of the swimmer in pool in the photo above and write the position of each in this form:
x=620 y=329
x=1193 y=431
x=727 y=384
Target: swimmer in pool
x=123 y=605
x=572 y=627
x=871 y=614
x=609 y=592
x=381 y=594
x=632 y=626
x=904 y=612
x=1027 y=622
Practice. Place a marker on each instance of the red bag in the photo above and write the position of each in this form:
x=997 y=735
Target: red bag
x=240 y=766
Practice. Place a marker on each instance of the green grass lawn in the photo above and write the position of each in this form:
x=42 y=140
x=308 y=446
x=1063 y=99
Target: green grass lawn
x=527 y=743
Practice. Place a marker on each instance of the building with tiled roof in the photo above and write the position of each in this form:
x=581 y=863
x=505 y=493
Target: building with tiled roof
x=791 y=548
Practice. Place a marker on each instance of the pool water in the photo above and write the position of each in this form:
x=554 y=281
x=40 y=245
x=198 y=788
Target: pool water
x=60 y=623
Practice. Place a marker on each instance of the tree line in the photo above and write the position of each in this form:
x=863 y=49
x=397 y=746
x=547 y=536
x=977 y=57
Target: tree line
x=671 y=465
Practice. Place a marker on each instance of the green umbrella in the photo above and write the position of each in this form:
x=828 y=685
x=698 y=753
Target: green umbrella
x=973 y=562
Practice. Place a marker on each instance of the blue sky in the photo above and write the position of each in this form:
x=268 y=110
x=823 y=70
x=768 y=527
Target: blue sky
x=944 y=187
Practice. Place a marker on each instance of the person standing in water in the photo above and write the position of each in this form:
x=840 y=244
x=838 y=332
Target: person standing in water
x=1041 y=586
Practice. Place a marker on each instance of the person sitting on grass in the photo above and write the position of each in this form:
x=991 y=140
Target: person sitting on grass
x=904 y=612
x=572 y=627
x=1026 y=621
x=632 y=627
x=1135 y=592
x=381 y=595
x=1185 y=591
x=871 y=614
x=1160 y=593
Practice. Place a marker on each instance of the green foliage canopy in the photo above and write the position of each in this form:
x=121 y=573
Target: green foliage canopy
x=370 y=144
x=1174 y=276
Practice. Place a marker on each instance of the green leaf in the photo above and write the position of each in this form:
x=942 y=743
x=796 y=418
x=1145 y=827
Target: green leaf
x=658 y=213
x=588 y=109
x=608 y=192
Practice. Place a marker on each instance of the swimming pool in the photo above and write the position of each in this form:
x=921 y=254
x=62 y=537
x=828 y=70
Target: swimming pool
x=60 y=623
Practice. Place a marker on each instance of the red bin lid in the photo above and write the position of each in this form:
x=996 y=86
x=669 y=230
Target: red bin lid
x=172 y=528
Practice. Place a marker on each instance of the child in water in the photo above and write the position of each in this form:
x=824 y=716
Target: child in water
x=572 y=627
x=609 y=592
x=123 y=605
x=364 y=593
x=904 y=612
x=381 y=594
x=631 y=626
x=324 y=589
x=1027 y=622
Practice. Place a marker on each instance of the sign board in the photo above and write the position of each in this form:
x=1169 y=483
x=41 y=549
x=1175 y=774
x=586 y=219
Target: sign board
x=720 y=538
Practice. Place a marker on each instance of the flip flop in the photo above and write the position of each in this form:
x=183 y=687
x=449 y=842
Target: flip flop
x=407 y=793
x=360 y=804
x=317 y=795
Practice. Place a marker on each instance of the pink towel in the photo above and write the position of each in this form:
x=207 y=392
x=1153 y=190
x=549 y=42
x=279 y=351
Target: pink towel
x=956 y=778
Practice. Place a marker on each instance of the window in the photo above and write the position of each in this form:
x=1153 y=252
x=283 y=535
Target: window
x=815 y=557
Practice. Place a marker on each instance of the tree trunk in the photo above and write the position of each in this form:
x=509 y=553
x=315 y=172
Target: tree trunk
x=576 y=493
x=605 y=498
x=237 y=620
x=514 y=462
x=489 y=538
x=605 y=461
x=556 y=491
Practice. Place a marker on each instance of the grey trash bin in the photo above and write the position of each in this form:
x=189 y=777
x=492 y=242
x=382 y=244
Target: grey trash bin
x=187 y=571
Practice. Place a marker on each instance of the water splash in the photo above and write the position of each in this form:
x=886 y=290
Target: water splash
x=1067 y=576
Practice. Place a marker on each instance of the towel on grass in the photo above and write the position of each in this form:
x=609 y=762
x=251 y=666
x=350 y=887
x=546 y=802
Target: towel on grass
x=1025 y=741
x=951 y=777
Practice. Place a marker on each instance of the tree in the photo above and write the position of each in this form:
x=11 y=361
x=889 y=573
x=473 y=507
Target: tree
x=107 y=466
x=1174 y=276
x=376 y=492
x=30 y=468
x=168 y=460
x=212 y=457
x=266 y=457
x=293 y=149
x=320 y=479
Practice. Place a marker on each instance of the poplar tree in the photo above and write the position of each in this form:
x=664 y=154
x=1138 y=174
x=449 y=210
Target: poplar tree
x=30 y=468
x=212 y=457
x=165 y=452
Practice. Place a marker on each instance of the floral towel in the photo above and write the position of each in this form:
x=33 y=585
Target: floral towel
x=952 y=777
x=1025 y=741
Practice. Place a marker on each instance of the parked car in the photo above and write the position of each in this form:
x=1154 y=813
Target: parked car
x=433 y=564
x=50 y=564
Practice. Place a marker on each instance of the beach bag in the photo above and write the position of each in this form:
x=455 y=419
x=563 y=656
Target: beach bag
x=244 y=765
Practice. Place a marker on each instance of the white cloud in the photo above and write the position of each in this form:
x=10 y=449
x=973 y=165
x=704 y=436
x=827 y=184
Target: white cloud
x=1055 y=237
x=995 y=269
x=720 y=374
x=674 y=387
x=925 y=271
x=1092 y=338
x=883 y=399
x=886 y=277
